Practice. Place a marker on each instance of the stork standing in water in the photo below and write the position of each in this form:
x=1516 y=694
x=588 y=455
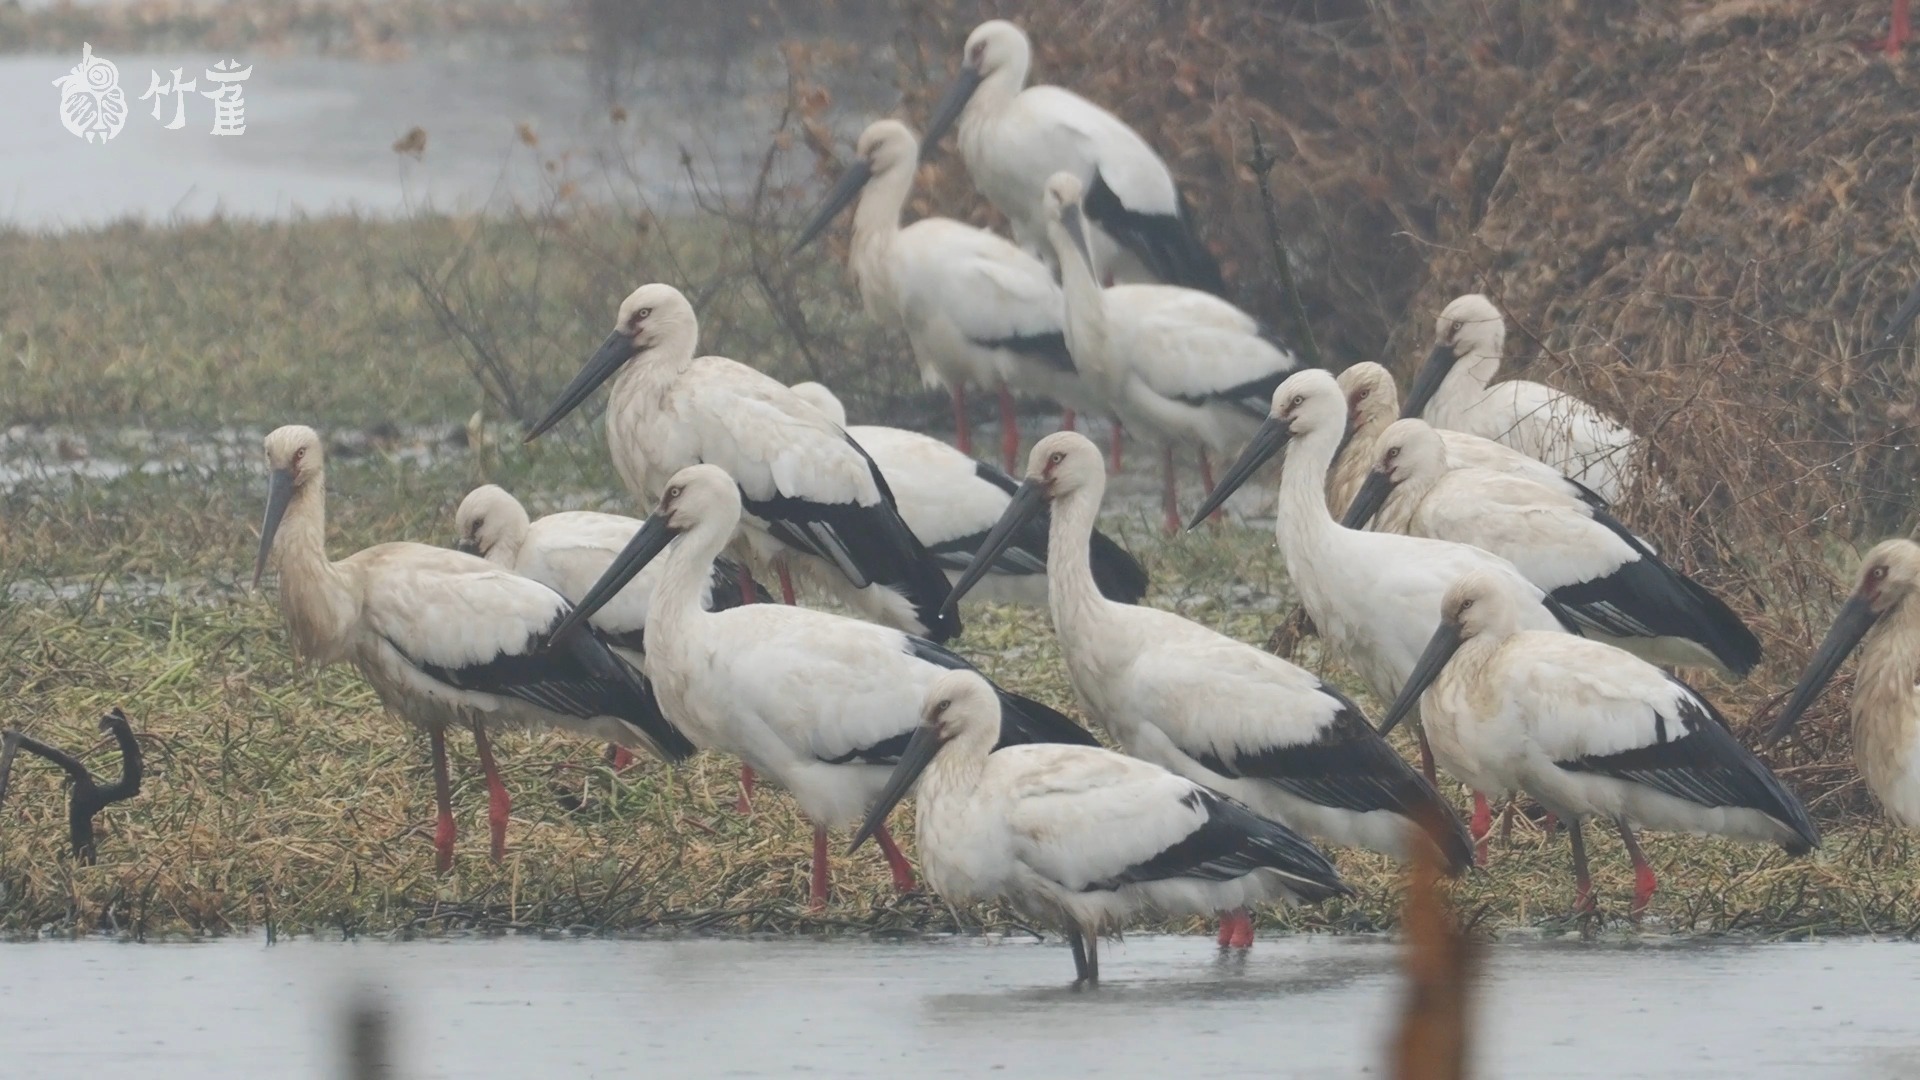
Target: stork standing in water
x=1077 y=837
x=1373 y=402
x=1176 y=365
x=445 y=638
x=567 y=552
x=1455 y=390
x=1606 y=577
x=950 y=500
x=1375 y=597
x=977 y=310
x=820 y=704
x=815 y=501
x=1588 y=731
x=1013 y=137
x=1882 y=618
x=1214 y=710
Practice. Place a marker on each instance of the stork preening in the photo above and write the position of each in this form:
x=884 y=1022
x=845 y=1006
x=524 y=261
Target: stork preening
x=815 y=502
x=1373 y=402
x=977 y=310
x=1455 y=390
x=1177 y=365
x=1080 y=838
x=1013 y=137
x=1375 y=597
x=1881 y=618
x=567 y=552
x=1589 y=731
x=445 y=638
x=1607 y=578
x=1214 y=710
x=819 y=704
x=950 y=501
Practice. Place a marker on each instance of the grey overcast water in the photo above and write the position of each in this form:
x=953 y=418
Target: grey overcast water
x=1172 y=1006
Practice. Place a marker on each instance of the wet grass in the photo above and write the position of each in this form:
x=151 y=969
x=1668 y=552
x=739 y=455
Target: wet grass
x=285 y=797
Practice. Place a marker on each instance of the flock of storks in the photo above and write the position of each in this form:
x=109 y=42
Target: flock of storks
x=1496 y=592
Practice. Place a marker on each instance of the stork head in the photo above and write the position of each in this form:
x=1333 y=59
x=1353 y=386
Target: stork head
x=650 y=316
x=1468 y=326
x=699 y=499
x=884 y=148
x=1409 y=451
x=1061 y=464
x=960 y=706
x=1309 y=401
x=1888 y=576
x=491 y=524
x=1372 y=397
x=822 y=399
x=1479 y=604
x=1060 y=201
x=995 y=48
x=295 y=459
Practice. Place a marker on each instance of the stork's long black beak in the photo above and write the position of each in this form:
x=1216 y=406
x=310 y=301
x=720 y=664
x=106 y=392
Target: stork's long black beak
x=1426 y=382
x=467 y=545
x=1028 y=502
x=1368 y=500
x=613 y=352
x=279 y=494
x=913 y=761
x=1440 y=649
x=1271 y=439
x=843 y=192
x=951 y=105
x=654 y=536
x=1855 y=619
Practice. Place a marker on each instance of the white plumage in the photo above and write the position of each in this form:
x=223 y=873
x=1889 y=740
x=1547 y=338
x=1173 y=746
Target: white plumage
x=814 y=501
x=1080 y=838
x=818 y=703
x=1014 y=137
x=1176 y=365
x=446 y=639
x=1607 y=578
x=950 y=500
x=1455 y=390
x=1588 y=731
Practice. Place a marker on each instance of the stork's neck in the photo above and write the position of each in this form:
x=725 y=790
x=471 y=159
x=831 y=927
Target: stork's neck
x=317 y=598
x=954 y=774
x=1086 y=307
x=1351 y=466
x=505 y=551
x=1466 y=383
x=1407 y=495
x=1072 y=593
x=679 y=598
x=1302 y=525
x=876 y=224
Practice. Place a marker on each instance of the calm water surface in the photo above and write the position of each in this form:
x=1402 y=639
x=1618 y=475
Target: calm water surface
x=1307 y=1007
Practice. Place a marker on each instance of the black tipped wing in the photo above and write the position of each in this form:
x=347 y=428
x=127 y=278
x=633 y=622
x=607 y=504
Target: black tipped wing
x=1253 y=397
x=1696 y=758
x=1118 y=575
x=869 y=544
x=1049 y=349
x=731 y=582
x=1022 y=719
x=1232 y=841
x=1164 y=242
x=1349 y=766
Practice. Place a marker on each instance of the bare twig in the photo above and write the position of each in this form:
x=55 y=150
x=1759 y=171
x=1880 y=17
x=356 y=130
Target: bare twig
x=1262 y=162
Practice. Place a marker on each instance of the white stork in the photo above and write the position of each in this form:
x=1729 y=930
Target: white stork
x=567 y=552
x=950 y=500
x=1883 y=618
x=446 y=639
x=1608 y=579
x=1373 y=402
x=1077 y=837
x=814 y=499
x=820 y=704
x=1375 y=597
x=1217 y=711
x=1588 y=731
x=1013 y=137
x=977 y=310
x=1177 y=365
x=1455 y=390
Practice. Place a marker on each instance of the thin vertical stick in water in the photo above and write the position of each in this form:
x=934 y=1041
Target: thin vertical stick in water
x=1262 y=164
x=1431 y=1043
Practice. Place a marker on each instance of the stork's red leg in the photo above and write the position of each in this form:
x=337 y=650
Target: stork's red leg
x=1236 y=929
x=619 y=757
x=442 y=798
x=1115 y=436
x=786 y=581
x=1206 y=479
x=902 y=870
x=1169 y=500
x=499 y=806
x=746 y=588
x=744 y=804
x=1643 y=879
x=1506 y=821
x=1226 y=929
x=1067 y=419
x=962 y=429
x=817 y=895
x=1582 y=880
x=1009 y=432
x=1481 y=827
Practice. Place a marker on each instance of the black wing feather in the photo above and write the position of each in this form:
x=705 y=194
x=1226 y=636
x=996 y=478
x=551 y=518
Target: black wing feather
x=1049 y=349
x=1022 y=719
x=1233 y=842
x=1118 y=575
x=1164 y=242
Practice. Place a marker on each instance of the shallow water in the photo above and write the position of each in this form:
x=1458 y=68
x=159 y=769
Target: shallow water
x=1301 y=1006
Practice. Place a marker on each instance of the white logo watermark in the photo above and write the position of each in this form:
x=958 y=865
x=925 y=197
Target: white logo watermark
x=93 y=107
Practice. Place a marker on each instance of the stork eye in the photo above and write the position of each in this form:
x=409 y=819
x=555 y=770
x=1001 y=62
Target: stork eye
x=943 y=706
x=299 y=455
x=1465 y=604
x=979 y=54
x=1362 y=395
x=1056 y=457
x=1298 y=400
x=642 y=314
x=1878 y=573
x=674 y=492
x=1393 y=452
x=1457 y=327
